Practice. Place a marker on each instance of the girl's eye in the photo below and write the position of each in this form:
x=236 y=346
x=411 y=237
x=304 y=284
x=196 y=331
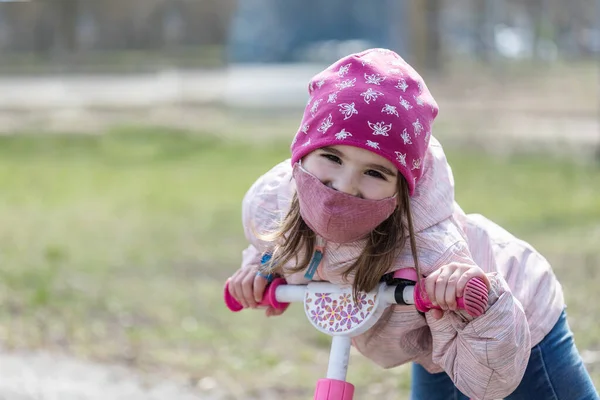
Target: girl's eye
x=333 y=158
x=375 y=174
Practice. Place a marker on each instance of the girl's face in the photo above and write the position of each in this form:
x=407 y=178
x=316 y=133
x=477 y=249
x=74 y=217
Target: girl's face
x=354 y=171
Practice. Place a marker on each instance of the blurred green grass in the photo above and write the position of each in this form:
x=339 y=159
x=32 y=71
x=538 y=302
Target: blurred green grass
x=115 y=247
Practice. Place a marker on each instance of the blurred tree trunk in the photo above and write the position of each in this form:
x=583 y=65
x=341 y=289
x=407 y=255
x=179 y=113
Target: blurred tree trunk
x=66 y=12
x=433 y=41
x=399 y=27
x=535 y=11
x=481 y=45
x=486 y=14
x=426 y=34
x=418 y=32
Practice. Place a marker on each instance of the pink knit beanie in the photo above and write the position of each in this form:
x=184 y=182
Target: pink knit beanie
x=373 y=100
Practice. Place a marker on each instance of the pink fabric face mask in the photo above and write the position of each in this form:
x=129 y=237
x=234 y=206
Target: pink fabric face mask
x=336 y=216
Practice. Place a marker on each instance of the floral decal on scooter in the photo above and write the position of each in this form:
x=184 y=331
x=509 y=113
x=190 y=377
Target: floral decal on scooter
x=337 y=312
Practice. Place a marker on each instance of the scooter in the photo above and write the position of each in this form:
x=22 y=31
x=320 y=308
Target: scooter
x=333 y=311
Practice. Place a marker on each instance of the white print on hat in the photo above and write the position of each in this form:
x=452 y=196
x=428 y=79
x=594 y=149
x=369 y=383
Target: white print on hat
x=343 y=70
x=401 y=158
x=406 y=137
x=372 y=144
x=402 y=85
x=370 y=94
x=307 y=142
x=332 y=97
x=305 y=128
x=326 y=124
x=404 y=103
x=390 y=110
x=374 y=79
x=397 y=63
x=315 y=106
x=418 y=100
x=366 y=61
x=347 y=109
x=416 y=164
x=418 y=127
x=380 y=128
x=394 y=71
x=321 y=83
x=341 y=135
x=346 y=84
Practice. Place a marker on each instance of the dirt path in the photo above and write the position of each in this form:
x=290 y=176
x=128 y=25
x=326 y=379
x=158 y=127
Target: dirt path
x=41 y=376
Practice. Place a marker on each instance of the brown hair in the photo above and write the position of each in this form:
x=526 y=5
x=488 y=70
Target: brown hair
x=378 y=256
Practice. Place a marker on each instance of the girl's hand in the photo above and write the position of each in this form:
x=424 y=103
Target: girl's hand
x=447 y=283
x=247 y=287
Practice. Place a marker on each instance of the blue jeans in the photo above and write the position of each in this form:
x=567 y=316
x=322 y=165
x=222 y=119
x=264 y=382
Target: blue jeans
x=555 y=372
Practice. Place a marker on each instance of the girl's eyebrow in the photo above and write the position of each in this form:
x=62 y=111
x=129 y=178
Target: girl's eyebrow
x=382 y=169
x=333 y=151
x=377 y=167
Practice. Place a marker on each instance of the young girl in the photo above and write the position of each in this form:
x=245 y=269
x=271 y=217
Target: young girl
x=368 y=191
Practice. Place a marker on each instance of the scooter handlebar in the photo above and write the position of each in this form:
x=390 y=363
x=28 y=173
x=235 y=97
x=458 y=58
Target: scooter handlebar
x=474 y=301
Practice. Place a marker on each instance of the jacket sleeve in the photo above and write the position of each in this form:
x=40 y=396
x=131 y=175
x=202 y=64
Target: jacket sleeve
x=485 y=356
x=265 y=203
x=250 y=256
x=260 y=211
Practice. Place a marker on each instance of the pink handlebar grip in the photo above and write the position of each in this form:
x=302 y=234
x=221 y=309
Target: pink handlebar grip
x=269 y=297
x=474 y=300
